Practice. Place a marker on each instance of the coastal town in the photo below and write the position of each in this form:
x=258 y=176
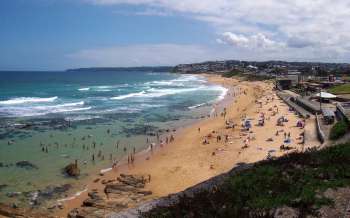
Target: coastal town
x=313 y=89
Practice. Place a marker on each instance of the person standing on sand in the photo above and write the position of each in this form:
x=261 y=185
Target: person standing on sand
x=199 y=129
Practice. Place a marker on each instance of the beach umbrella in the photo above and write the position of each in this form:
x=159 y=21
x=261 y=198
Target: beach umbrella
x=326 y=95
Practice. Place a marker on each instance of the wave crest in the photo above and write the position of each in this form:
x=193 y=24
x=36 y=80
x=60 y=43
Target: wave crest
x=23 y=100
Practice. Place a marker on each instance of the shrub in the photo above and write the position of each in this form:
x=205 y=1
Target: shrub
x=338 y=130
x=232 y=73
x=296 y=180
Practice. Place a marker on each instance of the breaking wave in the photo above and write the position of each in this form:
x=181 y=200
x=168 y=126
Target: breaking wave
x=23 y=100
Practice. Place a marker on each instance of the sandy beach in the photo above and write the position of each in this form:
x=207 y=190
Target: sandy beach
x=211 y=146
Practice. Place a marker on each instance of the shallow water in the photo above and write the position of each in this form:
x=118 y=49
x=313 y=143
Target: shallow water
x=69 y=112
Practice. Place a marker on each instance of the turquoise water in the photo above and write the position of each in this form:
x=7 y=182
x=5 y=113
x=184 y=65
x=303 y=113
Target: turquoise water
x=75 y=115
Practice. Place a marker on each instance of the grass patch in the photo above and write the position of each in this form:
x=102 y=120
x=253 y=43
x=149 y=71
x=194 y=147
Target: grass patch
x=248 y=77
x=296 y=180
x=339 y=130
x=232 y=74
x=340 y=89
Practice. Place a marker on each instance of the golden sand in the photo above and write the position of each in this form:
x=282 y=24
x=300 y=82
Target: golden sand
x=187 y=161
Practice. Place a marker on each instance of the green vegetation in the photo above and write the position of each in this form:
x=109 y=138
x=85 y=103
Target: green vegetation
x=232 y=73
x=338 y=130
x=296 y=180
x=340 y=89
x=249 y=77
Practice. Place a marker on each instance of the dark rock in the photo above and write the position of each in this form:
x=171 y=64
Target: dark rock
x=75 y=213
x=132 y=180
x=48 y=193
x=26 y=165
x=2 y=186
x=144 y=192
x=13 y=194
x=118 y=188
x=94 y=195
x=72 y=170
x=104 y=182
x=92 y=202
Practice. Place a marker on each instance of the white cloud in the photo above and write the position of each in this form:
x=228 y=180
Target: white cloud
x=173 y=54
x=306 y=25
x=258 y=41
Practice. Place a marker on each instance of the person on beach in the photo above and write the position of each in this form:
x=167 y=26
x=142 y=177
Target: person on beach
x=199 y=129
x=115 y=163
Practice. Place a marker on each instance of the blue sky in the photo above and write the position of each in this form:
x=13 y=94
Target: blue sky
x=60 y=34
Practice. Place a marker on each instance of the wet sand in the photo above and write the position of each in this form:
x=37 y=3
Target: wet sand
x=187 y=160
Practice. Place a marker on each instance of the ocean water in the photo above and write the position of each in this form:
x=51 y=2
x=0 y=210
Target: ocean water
x=74 y=115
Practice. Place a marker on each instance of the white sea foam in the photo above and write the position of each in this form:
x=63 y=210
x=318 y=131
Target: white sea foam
x=223 y=93
x=84 y=89
x=74 y=196
x=121 y=97
x=106 y=170
x=154 y=93
x=31 y=110
x=81 y=118
x=104 y=90
x=23 y=100
x=197 y=106
x=68 y=104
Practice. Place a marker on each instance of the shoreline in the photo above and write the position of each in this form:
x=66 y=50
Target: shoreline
x=187 y=161
x=79 y=196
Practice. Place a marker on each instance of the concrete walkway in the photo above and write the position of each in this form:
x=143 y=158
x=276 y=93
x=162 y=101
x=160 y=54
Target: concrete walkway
x=311 y=139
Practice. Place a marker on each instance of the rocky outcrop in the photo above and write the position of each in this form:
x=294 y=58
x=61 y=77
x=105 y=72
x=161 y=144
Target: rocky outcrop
x=26 y=165
x=126 y=191
x=72 y=170
x=15 y=212
x=174 y=198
